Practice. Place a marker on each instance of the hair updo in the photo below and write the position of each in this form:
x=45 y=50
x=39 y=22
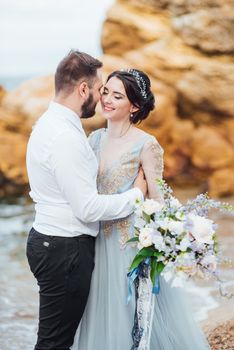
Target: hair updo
x=138 y=89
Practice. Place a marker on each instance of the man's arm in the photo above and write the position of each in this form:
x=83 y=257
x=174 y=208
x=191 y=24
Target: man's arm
x=72 y=169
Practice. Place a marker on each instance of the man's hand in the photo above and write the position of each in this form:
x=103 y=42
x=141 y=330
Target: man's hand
x=140 y=182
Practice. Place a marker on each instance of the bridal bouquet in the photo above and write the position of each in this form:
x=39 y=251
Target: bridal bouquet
x=174 y=240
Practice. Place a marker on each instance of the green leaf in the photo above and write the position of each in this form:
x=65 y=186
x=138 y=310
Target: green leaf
x=157 y=254
x=146 y=252
x=160 y=267
x=136 y=261
x=146 y=217
x=133 y=239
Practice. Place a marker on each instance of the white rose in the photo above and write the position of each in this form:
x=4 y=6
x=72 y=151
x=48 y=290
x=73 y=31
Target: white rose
x=202 y=229
x=145 y=237
x=164 y=223
x=151 y=206
x=158 y=241
x=184 y=244
x=176 y=227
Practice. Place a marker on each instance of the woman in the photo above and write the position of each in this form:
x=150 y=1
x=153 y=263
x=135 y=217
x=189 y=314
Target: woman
x=121 y=150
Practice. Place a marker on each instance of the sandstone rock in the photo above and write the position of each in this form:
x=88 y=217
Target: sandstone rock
x=124 y=20
x=12 y=161
x=202 y=84
x=210 y=150
x=14 y=131
x=178 y=7
x=112 y=63
x=208 y=88
x=206 y=29
x=31 y=98
x=227 y=130
x=221 y=182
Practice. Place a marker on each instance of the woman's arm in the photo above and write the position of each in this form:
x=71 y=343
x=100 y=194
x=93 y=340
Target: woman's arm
x=152 y=163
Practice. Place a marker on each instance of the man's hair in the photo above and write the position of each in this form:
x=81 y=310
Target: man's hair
x=75 y=66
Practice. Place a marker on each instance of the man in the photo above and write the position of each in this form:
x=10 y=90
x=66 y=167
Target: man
x=62 y=171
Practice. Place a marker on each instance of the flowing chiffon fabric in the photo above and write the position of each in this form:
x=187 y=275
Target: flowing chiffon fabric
x=108 y=321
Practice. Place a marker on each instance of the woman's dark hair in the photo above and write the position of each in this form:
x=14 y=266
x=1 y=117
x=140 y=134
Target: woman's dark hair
x=138 y=89
x=75 y=66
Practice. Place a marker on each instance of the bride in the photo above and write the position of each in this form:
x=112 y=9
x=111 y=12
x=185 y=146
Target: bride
x=121 y=150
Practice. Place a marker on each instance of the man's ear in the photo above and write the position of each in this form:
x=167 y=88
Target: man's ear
x=83 y=90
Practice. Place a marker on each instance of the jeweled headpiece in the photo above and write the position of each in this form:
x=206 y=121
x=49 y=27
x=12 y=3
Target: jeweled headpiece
x=139 y=80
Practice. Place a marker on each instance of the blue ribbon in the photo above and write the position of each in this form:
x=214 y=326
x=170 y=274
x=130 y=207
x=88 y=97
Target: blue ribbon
x=156 y=286
x=132 y=275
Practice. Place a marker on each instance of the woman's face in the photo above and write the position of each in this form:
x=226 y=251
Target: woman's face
x=114 y=101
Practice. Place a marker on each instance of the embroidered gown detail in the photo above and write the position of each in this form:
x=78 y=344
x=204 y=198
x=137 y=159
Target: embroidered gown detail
x=108 y=321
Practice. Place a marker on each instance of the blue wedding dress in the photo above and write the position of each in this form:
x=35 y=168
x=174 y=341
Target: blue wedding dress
x=108 y=320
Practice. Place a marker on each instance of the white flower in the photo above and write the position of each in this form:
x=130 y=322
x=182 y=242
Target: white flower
x=202 y=229
x=138 y=211
x=164 y=223
x=186 y=263
x=145 y=237
x=158 y=241
x=210 y=261
x=174 y=203
x=139 y=222
x=161 y=258
x=175 y=227
x=151 y=206
x=184 y=244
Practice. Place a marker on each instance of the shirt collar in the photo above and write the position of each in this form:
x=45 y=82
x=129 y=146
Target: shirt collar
x=67 y=113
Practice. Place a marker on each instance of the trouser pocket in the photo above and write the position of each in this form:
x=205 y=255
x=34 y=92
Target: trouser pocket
x=37 y=251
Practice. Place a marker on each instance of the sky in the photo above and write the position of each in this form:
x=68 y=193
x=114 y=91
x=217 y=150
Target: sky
x=36 y=34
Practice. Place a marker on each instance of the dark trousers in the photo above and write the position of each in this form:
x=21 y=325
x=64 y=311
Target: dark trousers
x=63 y=269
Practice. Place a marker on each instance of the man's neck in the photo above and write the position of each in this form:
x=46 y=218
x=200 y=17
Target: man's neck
x=67 y=102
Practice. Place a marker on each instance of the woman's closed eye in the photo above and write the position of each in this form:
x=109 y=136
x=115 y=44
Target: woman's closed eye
x=117 y=97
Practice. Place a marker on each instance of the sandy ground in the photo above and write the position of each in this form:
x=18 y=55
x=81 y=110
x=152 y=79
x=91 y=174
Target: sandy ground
x=222 y=336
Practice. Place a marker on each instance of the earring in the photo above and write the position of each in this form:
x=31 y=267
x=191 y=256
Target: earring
x=131 y=117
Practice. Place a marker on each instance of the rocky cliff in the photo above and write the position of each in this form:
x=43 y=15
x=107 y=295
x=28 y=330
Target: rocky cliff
x=187 y=48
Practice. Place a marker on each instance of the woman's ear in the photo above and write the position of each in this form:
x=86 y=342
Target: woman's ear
x=134 y=109
x=83 y=90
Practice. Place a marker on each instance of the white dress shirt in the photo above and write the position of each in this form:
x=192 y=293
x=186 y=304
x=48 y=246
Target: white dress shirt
x=62 y=171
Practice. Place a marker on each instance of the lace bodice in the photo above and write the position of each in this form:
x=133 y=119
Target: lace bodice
x=120 y=159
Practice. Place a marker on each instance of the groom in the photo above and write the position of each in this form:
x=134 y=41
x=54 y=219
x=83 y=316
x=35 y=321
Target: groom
x=62 y=171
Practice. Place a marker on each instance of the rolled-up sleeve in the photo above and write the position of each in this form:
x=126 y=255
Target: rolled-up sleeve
x=76 y=179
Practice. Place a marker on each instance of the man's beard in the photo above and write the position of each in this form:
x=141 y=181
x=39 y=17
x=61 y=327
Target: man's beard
x=88 y=108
